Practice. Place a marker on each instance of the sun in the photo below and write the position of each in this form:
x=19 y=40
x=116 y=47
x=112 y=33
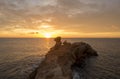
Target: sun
x=47 y=35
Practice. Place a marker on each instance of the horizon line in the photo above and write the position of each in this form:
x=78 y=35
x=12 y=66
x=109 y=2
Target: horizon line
x=54 y=37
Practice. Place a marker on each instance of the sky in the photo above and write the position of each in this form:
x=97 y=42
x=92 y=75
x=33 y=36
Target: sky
x=66 y=18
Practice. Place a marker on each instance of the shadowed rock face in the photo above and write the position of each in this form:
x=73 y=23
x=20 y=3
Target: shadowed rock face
x=61 y=63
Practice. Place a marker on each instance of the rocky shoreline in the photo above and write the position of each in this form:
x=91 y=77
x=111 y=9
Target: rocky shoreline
x=62 y=61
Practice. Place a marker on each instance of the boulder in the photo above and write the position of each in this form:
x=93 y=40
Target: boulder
x=59 y=63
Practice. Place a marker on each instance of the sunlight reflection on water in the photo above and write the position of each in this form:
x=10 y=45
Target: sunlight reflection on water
x=19 y=57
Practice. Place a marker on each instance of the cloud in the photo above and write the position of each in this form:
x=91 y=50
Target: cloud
x=33 y=33
x=86 y=16
x=115 y=27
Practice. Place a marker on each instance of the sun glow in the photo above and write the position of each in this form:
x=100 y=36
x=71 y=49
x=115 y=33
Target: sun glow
x=45 y=26
x=47 y=35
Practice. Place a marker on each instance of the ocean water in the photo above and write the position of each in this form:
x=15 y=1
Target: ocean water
x=19 y=57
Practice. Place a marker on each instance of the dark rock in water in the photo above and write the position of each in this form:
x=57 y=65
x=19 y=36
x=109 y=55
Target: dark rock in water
x=61 y=63
x=66 y=43
x=58 y=42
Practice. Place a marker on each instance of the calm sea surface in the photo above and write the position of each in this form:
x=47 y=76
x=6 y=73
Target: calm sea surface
x=19 y=57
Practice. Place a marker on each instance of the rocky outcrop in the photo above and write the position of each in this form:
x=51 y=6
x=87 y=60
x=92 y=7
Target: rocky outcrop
x=59 y=63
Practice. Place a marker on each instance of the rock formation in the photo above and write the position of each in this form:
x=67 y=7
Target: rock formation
x=58 y=43
x=60 y=61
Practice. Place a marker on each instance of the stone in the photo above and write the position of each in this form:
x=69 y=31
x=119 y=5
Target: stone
x=60 y=63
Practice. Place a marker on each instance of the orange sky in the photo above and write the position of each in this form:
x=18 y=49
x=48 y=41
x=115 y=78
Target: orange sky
x=66 y=18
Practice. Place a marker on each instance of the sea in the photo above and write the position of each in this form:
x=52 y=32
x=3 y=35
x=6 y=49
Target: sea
x=21 y=56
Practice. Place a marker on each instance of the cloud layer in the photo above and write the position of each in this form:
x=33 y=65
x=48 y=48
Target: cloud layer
x=69 y=16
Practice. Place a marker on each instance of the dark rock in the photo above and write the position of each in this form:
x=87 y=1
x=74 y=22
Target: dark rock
x=58 y=42
x=66 y=43
x=60 y=63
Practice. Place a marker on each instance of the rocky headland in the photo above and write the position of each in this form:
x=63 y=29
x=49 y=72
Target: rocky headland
x=62 y=61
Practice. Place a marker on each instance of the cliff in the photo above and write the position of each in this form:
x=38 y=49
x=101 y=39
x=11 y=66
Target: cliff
x=60 y=63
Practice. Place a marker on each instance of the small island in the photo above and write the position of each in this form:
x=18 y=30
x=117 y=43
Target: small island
x=62 y=59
